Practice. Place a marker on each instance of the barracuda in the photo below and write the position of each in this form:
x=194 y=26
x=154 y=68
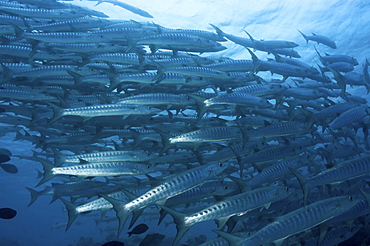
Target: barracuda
x=238 y=98
x=105 y=169
x=43 y=13
x=172 y=186
x=296 y=221
x=104 y=156
x=103 y=110
x=97 y=204
x=350 y=116
x=164 y=99
x=193 y=71
x=223 y=210
x=319 y=39
x=212 y=134
x=66 y=37
x=344 y=171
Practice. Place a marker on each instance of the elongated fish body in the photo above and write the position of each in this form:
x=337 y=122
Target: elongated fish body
x=212 y=134
x=103 y=169
x=261 y=89
x=197 y=71
x=172 y=186
x=333 y=111
x=328 y=59
x=128 y=7
x=131 y=59
x=271 y=44
x=104 y=110
x=125 y=33
x=15 y=50
x=296 y=221
x=105 y=156
x=285 y=52
x=83 y=23
x=238 y=204
x=86 y=47
x=200 y=33
x=233 y=66
x=171 y=79
x=52 y=70
x=279 y=130
x=100 y=203
x=24 y=95
x=176 y=62
x=285 y=69
x=204 y=192
x=239 y=98
x=175 y=39
x=346 y=170
x=350 y=116
x=271 y=153
x=274 y=172
x=43 y=13
x=297 y=63
x=158 y=99
x=320 y=40
x=223 y=210
x=97 y=204
x=66 y=37
x=338 y=66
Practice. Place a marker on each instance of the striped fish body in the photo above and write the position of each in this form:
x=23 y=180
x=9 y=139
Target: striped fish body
x=103 y=169
x=279 y=130
x=158 y=99
x=198 y=71
x=177 y=184
x=344 y=171
x=66 y=37
x=175 y=39
x=238 y=98
x=351 y=116
x=174 y=185
x=238 y=204
x=211 y=134
x=301 y=219
x=43 y=13
x=278 y=170
x=106 y=156
x=100 y=203
x=109 y=110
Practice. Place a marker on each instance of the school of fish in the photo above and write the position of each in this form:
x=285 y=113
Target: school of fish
x=133 y=115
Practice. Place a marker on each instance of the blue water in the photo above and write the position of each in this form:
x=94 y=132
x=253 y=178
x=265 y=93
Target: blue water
x=346 y=22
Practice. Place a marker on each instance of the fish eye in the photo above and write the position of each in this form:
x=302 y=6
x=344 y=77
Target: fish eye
x=226 y=187
x=287 y=189
x=149 y=107
x=148 y=166
x=147 y=153
x=220 y=164
x=350 y=198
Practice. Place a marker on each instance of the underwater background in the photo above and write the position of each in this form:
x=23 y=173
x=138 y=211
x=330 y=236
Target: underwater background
x=345 y=22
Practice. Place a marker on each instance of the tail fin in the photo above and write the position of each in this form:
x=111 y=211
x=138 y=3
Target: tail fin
x=256 y=61
x=34 y=195
x=218 y=30
x=178 y=218
x=233 y=240
x=121 y=212
x=58 y=112
x=305 y=37
x=48 y=174
x=303 y=182
x=72 y=212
